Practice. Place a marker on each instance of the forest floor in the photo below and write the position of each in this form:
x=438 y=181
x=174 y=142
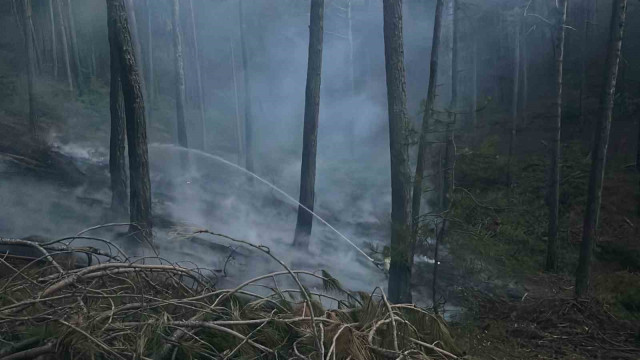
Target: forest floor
x=514 y=310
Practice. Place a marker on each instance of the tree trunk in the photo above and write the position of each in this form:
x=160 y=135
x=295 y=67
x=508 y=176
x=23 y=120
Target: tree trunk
x=554 y=183
x=586 y=35
x=198 y=76
x=310 y=134
x=599 y=152
x=237 y=104
x=514 y=104
x=179 y=71
x=54 y=44
x=401 y=247
x=525 y=76
x=34 y=41
x=454 y=57
x=474 y=84
x=74 y=45
x=31 y=71
x=248 y=118
x=151 y=86
x=117 y=148
x=137 y=47
x=65 y=45
x=352 y=74
x=140 y=187
x=428 y=113
x=447 y=170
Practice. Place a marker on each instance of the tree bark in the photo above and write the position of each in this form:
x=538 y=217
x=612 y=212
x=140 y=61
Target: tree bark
x=600 y=145
x=525 y=76
x=554 y=183
x=151 y=87
x=74 y=45
x=137 y=47
x=31 y=71
x=237 y=104
x=474 y=84
x=179 y=71
x=352 y=74
x=248 y=116
x=310 y=134
x=54 y=42
x=117 y=147
x=426 y=120
x=586 y=36
x=65 y=45
x=401 y=245
x=140 y=185
x=198 y=76
x=454 y=57
x=514 y=103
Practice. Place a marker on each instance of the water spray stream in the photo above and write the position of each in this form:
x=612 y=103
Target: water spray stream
x=282 y=192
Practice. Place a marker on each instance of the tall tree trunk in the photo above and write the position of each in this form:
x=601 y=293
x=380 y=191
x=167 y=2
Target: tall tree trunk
x=310 y=134
x=239 y=139
x=401 y=247
x=54 y=42
x=599 y=152
x=65 y=45
x=554 y=183
x=446 y=169
x=151 y=86
x=74 y=45
x=426 y=120
x=117 y=147
x=140 y=185
x=454 y=57
x=137 y=47
x=31 y=71
x=474 y=84
x=586 y=36
x=34 y=40
x=525 y=76
x=514 y=104
x=248 y=116
x=352 y=74
x=179 y=71
x=194 y=34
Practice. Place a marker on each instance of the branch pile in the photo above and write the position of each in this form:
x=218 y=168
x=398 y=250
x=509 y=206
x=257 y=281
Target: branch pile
x=153 y=309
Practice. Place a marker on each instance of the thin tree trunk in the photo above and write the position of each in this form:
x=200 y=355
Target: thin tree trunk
x=474 y=84
x=426 y=119
x=237 y=104
x=179 y=71
x=446 y=168
x=65 y=45
x=248 y=115
x=151 y=87
x=34 y=40
x=137 y=47
x=514 y=104
x=310 y=134
x=600 y=145
x=54 y=42
x=525 y=77
x=401 y=244
x=74 y=45
x=31 y=72
x=352 y=74
x=554 y=183
x=140 y=185
x=584 y=61
x=198 y=76
x=454 y=57
x=117 y=147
